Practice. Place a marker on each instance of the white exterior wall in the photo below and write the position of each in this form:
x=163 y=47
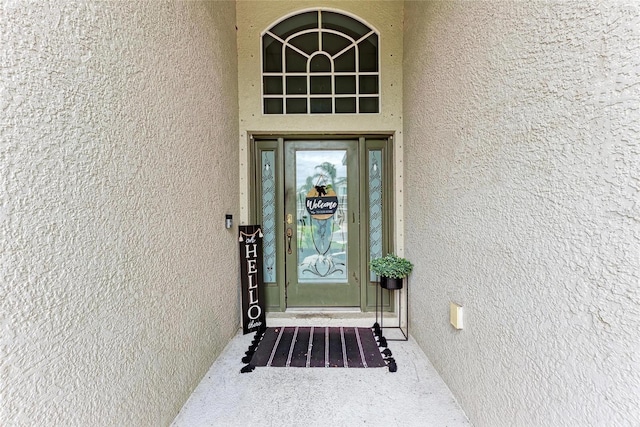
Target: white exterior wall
x=523 y=156
x=254 y=17
x=118 y=281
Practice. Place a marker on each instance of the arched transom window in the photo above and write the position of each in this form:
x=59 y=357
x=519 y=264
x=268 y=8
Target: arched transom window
x=320 y=62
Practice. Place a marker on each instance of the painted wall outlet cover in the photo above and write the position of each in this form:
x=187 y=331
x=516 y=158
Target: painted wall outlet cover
x=455 y=315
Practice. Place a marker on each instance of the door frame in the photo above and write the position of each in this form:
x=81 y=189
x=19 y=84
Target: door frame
x=276 y=292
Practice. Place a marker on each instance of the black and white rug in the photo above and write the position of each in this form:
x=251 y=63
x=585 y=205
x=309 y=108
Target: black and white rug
x=319 y=347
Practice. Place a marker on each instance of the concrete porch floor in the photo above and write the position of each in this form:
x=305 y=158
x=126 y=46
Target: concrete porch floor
x=415 y=395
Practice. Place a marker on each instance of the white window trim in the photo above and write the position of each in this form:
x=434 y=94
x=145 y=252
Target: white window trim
x=333 y=96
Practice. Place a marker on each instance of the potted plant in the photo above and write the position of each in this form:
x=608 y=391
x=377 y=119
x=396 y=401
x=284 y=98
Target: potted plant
x=392 y=270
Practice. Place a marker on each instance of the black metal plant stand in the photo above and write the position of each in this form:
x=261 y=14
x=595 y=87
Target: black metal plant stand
x=380 y=322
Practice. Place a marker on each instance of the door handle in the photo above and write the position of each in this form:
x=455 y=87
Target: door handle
x=289 y=237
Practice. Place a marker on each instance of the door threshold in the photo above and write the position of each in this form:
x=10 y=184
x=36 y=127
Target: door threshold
x=324 y=310
x=307 y=316
x=322 y=316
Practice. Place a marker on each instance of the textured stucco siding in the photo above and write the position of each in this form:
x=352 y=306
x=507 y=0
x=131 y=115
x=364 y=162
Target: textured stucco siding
x=118 y=281
x=522 y=135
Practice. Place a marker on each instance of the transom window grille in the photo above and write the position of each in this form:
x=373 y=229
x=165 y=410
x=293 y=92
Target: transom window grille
x=320 y=62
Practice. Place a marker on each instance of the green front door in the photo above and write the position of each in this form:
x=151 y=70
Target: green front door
x=325 y=210
x=322 y=223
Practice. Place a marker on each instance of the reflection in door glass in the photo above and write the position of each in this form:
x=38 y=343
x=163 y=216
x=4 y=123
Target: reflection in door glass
x=321 y=209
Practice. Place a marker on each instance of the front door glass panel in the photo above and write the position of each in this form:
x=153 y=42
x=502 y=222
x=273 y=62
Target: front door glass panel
x=321 y=181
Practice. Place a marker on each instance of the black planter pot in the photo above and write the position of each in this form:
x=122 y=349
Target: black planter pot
x=391 y=283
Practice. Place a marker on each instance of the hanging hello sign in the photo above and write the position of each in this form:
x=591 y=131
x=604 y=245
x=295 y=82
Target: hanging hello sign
x=251 y=276
x=321 y=202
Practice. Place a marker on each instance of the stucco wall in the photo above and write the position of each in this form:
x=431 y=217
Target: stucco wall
x=522 y=134
x=118 y=281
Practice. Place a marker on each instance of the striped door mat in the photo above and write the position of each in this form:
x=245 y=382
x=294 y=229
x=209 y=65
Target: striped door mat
x=316 y=347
